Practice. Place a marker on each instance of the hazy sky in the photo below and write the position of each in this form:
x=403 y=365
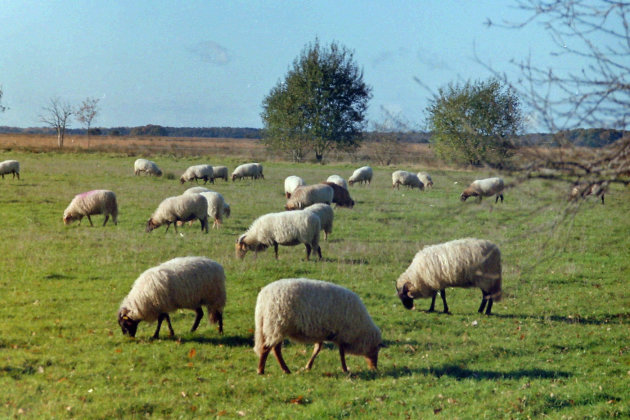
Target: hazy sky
x=211 y=63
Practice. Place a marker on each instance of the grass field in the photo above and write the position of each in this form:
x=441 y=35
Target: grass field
x=558 y=345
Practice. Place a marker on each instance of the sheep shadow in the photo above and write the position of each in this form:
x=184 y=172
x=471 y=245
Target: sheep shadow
x=225 y=340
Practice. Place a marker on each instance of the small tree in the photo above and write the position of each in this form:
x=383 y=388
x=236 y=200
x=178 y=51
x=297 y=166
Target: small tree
x=2 y=108
x=86 y=113
x=319 y=106
x=57 y=115
x=474 y=123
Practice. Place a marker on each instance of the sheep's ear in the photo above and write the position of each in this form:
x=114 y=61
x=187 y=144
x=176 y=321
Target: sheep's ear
x=405 y=290
x=240 y=239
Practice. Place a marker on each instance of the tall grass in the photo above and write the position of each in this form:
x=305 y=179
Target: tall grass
x=557 y=346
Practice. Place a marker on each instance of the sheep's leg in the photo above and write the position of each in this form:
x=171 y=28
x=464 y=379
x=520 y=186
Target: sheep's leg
x=106 y=219
x=489 y=308
x=263 y=360
x=443 y=294
x=170 y=327
x=483 y=302
x=275 y=249
x=277 y=351
x=175 y=227
x=342 y=355
x=197 y=319
x=432 y=307
x=159 y=325
x=308 y=251
x=219 y=317
x=319 y=251
x=602 y=194
x=90 y=220
x=168 y=225
x=316 y=350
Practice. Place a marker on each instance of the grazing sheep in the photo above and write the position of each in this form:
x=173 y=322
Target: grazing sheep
x=361 y=175
x=196 y=190
x=183 y=208
x=310 y=194
x=484 y=188
x=425 y=178
x=220 y=172
x=461 y=263
x=291 y=183
x=407 y=179
x=217 y=207
x=341 y=196
x=285 y=228
x=181 y=283
x=10 y=167
x=326 y=216
x=89 y=203
x=147 y=167
x=193 y=173
x=313 y=311
x=338 y=180
x=248 y=170
x=584 y=190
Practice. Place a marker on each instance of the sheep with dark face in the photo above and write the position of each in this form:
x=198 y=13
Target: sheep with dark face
x=195 y=172
x=485 y=188
x=181 y=208
x=308 y=195
x=406 y=179
x=361 y=175
x=248 y=170
x=341 y=196
x=90 y=203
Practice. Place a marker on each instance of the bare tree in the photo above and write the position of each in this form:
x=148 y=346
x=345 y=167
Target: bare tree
x=2 y=108
x=57 y=115
x=86 y=114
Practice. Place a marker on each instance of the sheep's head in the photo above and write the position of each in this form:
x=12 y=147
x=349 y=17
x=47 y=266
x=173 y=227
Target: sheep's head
x=233 y=177
x=226 y=210
x=372 y=356
x=241 y=247
x=182 y=180
x=68 y=218
x=404 y=296
x=129 y=326
x=351 y=181
x=465 y=195
x=151 y=225
x=158 y=172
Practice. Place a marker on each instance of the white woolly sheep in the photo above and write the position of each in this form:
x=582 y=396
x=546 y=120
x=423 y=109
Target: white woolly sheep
x=313 y=311
x=248 y=170
x=196 y=190
x=284 y=228
x=10 y=167
x=336 y=179
x=195 y=172
x=181 y=283
x=291 y=183
x=461 y=263
x=326 y=216
x=217 y=207
x=147 y=167
x=310 y=194
x=182 y=208
x=484 y=188
x=361 y=175
x=90 y=203
x=220 y=172
x=407 y=179
x=583 y=190
x=425 y=178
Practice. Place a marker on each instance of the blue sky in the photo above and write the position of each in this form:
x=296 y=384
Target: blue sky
x=211 y=63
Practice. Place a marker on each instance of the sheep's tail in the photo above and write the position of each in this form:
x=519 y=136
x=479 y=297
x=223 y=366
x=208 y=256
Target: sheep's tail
x=495 y=293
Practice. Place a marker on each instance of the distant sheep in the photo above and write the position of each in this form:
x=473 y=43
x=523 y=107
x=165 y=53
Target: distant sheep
x=193 y=173
x=90 y=203
x=144 y=166
x=326 y=216
x=425 y=178
x=310 y=194
x=291 y=183
x=313 y=311
x=10 y=167
x=220 y=172
x=248 y=170
x=461 y=263
x=584 y=190
x=182 y=208
x=284 y=228
x=361 y=175
x=181 y=283
x=338 y=180
x=341 y=195
x=406 y=179
x=484 y=188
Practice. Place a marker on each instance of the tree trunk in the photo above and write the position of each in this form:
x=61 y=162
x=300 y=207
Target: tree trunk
x=319 y=156
x=59 y=138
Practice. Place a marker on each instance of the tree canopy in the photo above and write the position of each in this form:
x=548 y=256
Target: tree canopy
x=319 y=106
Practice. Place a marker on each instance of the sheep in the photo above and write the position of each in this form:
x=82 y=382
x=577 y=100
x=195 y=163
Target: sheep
x=180 y=208
x=310 y=194
x=326 y=216
x=147 y=167
x=338 y=180
x=251 y=170
x=89 y=203
x=361 y=175
x=341 y=196
x=291 y=183
x=217 y=207
x=313 y=311
x=484 y=188
x=284 y=228
x=181 y=283
x=425 y=178
x=465 y=262
x=220 y=172
x=10 y=167
x=584 y=190
x=406 y=178
x=196 y=190
x=193 y=173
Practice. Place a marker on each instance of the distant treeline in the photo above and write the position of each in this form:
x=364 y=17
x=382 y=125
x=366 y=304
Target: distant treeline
x=591 y=137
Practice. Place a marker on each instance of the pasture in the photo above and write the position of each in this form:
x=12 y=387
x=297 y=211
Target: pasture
x=557 y=346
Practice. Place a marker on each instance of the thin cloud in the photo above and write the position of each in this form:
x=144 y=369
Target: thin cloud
x=211 y=52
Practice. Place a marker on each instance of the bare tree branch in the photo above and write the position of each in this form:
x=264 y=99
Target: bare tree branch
x=57 y=115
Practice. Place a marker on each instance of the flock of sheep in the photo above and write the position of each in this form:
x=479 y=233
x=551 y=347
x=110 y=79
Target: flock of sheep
x=309 y=311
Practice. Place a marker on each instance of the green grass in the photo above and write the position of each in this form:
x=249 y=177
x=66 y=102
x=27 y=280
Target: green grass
x=557 y=346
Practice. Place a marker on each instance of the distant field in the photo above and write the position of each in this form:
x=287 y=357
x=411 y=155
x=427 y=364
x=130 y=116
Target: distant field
x=558 y=345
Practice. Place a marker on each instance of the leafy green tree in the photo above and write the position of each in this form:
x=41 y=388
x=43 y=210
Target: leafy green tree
x=475 y=123
x=319 y=106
